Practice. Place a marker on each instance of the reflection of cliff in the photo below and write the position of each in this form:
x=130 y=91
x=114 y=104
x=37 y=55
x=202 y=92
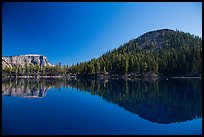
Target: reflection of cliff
x=30 y=88
x=25 y=88
x=161 y=101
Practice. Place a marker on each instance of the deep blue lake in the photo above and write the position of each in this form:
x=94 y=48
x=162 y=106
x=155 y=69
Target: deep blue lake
x=54 y=106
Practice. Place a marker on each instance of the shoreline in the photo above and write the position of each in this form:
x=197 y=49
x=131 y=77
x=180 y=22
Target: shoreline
x=108 y=77
x=39 y=76
x=185 y=77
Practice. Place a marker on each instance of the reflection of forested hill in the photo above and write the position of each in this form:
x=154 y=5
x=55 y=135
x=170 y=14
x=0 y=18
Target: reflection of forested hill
x=161 y=101
x=165 y=101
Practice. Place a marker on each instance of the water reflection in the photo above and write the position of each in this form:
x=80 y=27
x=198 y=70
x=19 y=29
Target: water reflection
x=25 y=88
x=156 y=101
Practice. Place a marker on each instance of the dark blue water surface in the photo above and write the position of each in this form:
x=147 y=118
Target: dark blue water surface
x=137 y=107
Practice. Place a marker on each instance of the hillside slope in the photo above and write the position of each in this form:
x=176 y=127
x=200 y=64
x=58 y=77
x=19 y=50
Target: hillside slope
x=163 y=52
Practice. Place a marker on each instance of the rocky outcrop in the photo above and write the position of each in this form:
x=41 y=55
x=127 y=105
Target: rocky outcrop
x=5 y=64
x=21 y=60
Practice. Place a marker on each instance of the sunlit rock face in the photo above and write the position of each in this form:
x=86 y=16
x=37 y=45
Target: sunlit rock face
x=5 y=64
x=21 y=60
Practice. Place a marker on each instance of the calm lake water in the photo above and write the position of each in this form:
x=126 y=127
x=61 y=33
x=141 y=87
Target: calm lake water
x=52 y=106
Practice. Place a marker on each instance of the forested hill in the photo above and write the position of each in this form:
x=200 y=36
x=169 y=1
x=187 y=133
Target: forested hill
x=163 y=52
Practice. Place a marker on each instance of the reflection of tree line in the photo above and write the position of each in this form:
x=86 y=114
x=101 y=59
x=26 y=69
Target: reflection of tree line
x=157 y=101
x=161 y=101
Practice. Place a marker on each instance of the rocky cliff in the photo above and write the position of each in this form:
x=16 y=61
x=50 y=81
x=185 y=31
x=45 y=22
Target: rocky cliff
x=21 y=60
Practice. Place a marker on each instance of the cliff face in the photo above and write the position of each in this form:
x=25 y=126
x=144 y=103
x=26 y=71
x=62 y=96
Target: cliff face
x=21 y=60
x=5 y=64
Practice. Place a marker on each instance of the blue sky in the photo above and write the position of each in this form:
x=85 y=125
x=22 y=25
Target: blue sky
x=69 y=32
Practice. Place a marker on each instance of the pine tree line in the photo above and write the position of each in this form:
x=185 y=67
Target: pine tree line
x=171 y=53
